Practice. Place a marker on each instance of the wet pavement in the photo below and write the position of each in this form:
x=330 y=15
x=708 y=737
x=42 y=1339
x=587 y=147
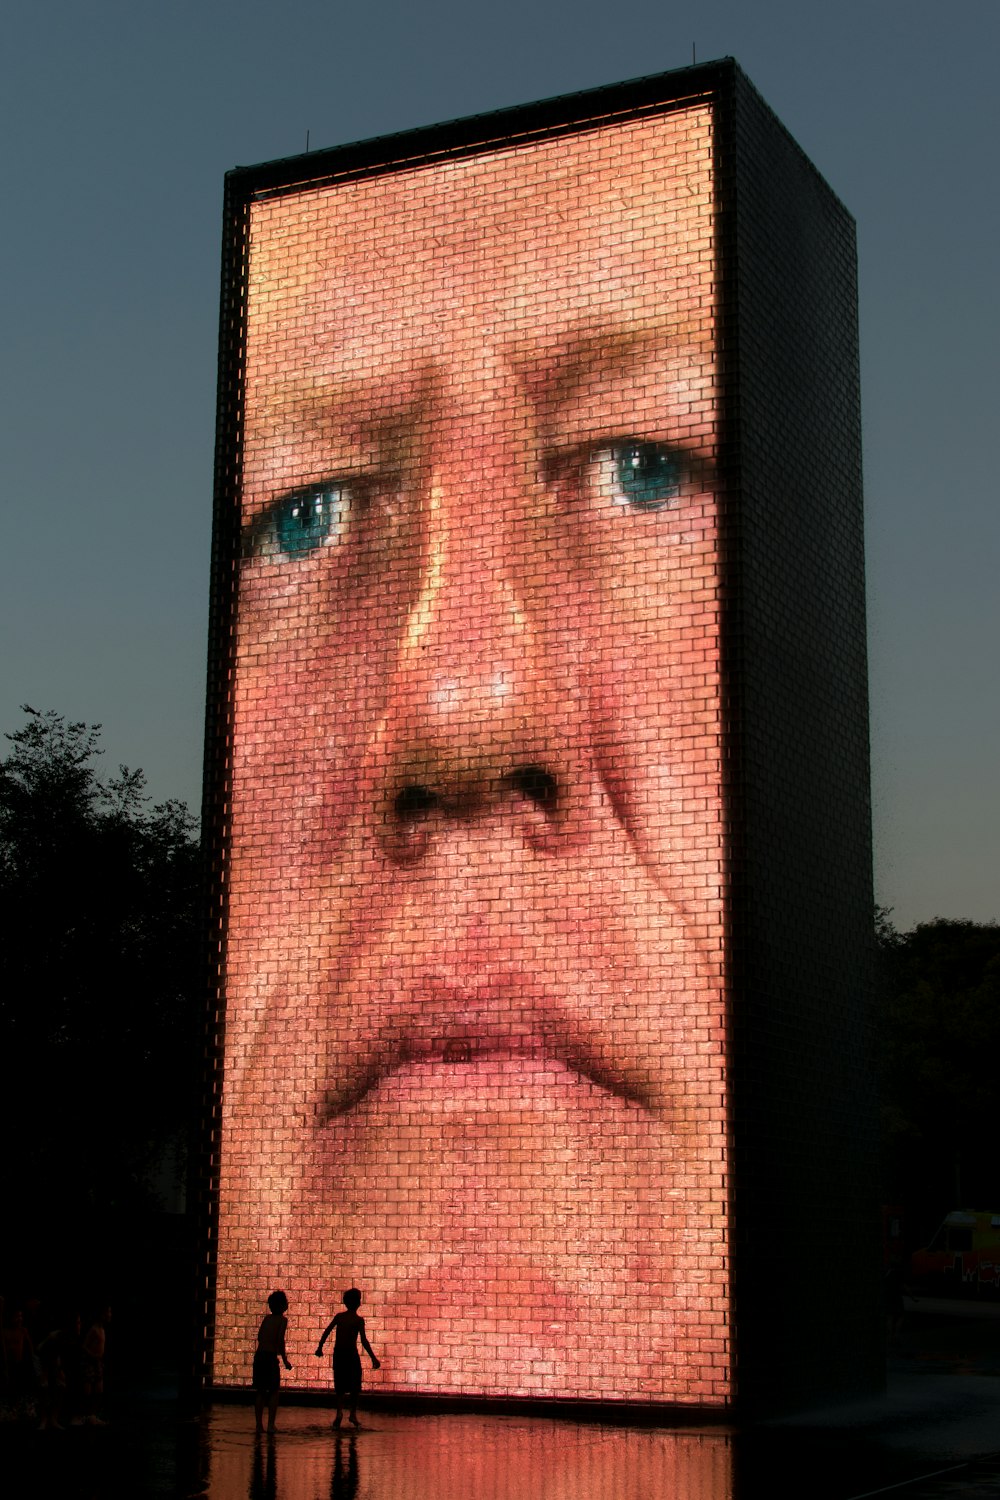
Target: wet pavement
x=935 y=1435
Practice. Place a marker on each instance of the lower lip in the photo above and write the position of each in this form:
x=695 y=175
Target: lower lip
x=491 y=1081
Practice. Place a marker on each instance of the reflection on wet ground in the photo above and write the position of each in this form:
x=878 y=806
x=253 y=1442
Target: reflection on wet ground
x=935 y=1435
x=451 y=1457
x=154 y=1450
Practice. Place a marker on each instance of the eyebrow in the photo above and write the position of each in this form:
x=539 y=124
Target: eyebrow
x=550 y=373
x=557 y=375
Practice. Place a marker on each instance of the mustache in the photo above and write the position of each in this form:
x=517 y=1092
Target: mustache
x=450 y=1024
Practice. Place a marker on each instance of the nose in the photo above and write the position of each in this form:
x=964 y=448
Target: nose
x=482 y=716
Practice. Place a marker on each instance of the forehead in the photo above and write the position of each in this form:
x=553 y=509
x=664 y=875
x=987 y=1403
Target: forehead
x=541 y=239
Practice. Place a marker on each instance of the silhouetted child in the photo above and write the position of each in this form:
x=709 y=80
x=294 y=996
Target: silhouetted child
x=93 y=1351
x=270 y=1348
x=349 y=1327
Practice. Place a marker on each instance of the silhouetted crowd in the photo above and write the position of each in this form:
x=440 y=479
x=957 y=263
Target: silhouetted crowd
x=53 y=1369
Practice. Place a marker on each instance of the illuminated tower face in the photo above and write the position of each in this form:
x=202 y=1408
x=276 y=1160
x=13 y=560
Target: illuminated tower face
x=474 y=1045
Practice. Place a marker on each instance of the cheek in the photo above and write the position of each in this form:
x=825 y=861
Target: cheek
x=652 y=678
x=308 y=696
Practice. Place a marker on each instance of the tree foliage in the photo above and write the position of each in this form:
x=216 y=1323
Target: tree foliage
x=99 y=971
x=939 y=1011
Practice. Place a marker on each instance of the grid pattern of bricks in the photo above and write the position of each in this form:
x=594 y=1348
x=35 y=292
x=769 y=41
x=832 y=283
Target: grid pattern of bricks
x=539 y=763
x=473 y=981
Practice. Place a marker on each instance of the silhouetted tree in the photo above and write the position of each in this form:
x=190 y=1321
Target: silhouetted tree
x=100 y=993
x=939 y=1010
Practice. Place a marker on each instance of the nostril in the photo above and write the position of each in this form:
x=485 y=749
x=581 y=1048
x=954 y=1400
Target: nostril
x=536 y=784
x=414 y=800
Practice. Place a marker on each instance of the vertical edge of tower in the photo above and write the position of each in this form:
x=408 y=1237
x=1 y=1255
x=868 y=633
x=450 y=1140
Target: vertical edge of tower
x=806 y=1260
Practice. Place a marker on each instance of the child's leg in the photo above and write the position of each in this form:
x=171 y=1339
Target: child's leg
x=272 y=1410
x=258 y=1407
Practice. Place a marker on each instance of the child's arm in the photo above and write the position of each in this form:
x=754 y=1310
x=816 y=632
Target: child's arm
x=326 y=1334
x=366 y=1346
x=281 y=1344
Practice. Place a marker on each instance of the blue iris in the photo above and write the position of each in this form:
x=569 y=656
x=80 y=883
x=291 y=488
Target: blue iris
x=646 y=475
x=306 y=519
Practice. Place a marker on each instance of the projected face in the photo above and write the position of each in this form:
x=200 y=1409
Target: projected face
x=474 y=1045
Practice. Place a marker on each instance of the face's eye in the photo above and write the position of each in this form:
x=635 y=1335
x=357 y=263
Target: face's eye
x=639 y=476
x=304 y=520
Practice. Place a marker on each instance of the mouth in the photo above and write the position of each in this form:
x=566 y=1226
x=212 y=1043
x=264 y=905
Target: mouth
x=471 y=1044
x=495 y=1089
x=450 y=1038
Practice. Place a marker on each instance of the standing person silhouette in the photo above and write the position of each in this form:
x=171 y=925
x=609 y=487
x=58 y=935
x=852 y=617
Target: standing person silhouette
x=348 y=1327
x=270 y=1347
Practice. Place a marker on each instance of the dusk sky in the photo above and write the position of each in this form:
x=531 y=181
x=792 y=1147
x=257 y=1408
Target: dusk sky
x=120 y=119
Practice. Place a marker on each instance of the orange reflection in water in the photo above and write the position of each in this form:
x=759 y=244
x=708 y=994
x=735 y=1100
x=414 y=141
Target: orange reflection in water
x=458 y=1457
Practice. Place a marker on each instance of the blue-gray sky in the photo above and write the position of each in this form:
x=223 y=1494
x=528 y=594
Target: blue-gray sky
x=120 y=118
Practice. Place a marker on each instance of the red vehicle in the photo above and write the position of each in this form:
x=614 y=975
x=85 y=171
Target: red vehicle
x=963 y=1258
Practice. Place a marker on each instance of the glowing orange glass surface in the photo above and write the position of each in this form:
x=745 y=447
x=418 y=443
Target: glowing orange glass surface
x=474 y=1048
x=456 y=1457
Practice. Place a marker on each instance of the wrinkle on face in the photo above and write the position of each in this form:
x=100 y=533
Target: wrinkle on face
x=474 y=967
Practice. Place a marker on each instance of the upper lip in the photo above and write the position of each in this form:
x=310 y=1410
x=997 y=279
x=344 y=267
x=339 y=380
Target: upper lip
x=448 y=1023
x=459 y=1043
